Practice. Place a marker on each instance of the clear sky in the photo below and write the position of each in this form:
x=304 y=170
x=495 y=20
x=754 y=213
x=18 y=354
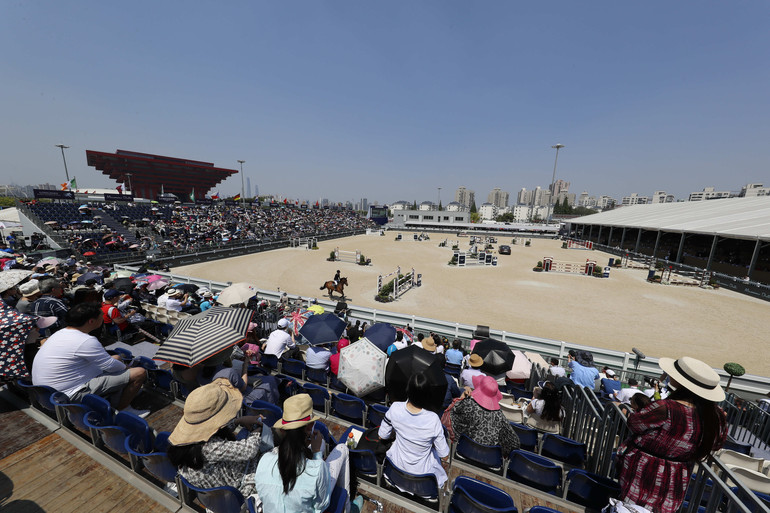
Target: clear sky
x=390 y=100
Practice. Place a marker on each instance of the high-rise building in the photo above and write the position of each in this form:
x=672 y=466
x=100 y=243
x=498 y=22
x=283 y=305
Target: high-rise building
x=248 y=187
x=634 y=199
x=498 y=198
x=524 y=197
x=662 y=197
x=559 y=187
x=465 y=196
x=708 y=193
x=256 y=191
x=754 y=189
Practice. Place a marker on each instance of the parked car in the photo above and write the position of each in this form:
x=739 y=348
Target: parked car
x=504 y=249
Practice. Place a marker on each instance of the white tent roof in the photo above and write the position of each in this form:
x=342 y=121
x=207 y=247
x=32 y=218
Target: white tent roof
x=9 y=214
x=742 y=218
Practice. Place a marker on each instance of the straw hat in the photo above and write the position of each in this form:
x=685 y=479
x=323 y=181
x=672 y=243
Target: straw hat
x=297 y=412
x=29 y=288
x=206 y=410
x=476 y=361
x=429 y=344
x=486 y=392
x=694 y=375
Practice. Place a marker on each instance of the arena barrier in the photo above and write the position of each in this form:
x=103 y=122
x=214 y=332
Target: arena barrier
x=352 y=257
x=550 y=265
x=580 y=244
x=370 y=231
x=401 y=283
x=627 y=261
x=303 y=242
x=698 y=278
x=465 y=259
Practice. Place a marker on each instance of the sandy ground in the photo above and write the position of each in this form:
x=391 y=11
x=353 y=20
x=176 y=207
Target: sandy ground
x=618 y=313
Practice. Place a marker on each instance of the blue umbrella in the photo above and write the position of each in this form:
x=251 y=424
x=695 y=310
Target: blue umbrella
x=322 y=329
x=381 y=335
x=89 y=276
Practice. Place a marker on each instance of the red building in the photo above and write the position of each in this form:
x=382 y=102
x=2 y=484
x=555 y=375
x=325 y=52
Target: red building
x=146 y=175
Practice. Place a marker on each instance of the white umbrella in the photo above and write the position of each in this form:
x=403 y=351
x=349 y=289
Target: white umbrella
x=521 y=368
x=157 y=284
x=362 y=367
x=237 y=294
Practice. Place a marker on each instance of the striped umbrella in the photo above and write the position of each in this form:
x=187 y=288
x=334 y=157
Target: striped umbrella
x=201 y=336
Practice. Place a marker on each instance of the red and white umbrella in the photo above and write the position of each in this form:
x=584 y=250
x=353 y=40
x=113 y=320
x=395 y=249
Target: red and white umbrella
x=297 y=319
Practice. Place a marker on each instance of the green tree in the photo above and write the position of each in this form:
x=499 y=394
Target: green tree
x=7 y=201
x=473 y=208
x=414 y=205
x=475 y=217
x=505 y=218
x=439 y=205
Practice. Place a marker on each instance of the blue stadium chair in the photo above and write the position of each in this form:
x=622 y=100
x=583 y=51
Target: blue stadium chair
x=113 y=435
x=734 y=445
x=338 y=500
x=75 y=412
x=143 y=361
x=269 y=362
x=221 y=499
x=39 y=396
x=488 y=457
x=453 y=370
x=527 y=436
x=563 y=449
x=378 y=396
x=320 y=376
x=349 y=407
x=518 y=393
x=473 y=496
x=375 y=414
x=764 y=499
x=589 y=490
x=336 y=384
x=363 y=462
x=294 y=368
x=422 y=488
x=535 y=471
x=154 y=460
x=543 y=509
x=269 y=411
x=287 y=386
x=319 y=395
x=125 y=355
x=161 y=379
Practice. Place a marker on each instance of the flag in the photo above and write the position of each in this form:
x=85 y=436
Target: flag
x=73 y=183
x=285 y=200
x=120 y=189
x=64 y=186
x=237 y=197
x=215 y=196
x=192 y=195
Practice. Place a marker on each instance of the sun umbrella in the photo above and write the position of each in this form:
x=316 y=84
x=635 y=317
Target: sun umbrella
x=196 y=338
x=498 y=357
x=109 y=235
x=14 y=329
x=381 y=335
x=521 y=367
x=49 y=260
x=190 y=288
x=133 y=246
x=86 y=222
x=157 y=284
x=123 y=285
x=362 y=367
x=9 y=279
x=322 y=329
x=237 y=294
x=408 y=336
x=89 y=276
x=89 y=253
x=297 y=319
x=154 y=277
x=411 y=360
x=5 y=254
x=316 y=309
x=51 y=223
x=83 y=207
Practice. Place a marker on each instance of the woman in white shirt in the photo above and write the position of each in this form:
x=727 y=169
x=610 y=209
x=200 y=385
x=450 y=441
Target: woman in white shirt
x=545 y=411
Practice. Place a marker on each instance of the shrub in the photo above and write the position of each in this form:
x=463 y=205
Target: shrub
x=332 y=256
x=528 y=242
x=453 y=261
x=362 y=260
x=563 y=245
x=733 y=369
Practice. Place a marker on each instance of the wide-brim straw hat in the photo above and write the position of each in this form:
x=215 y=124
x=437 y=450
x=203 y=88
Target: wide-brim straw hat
x=297 y=413
x=206 y=410
x=429 y=344
x=475 y=361
x=694 y=375
x=486 y=392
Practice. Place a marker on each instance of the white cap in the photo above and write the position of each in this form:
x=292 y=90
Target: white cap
x=283 y=323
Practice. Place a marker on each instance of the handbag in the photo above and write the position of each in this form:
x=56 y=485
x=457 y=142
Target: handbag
x=371 y=441
x=446 y=418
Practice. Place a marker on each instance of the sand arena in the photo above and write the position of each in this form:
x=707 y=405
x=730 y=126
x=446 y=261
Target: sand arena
x=618 y=313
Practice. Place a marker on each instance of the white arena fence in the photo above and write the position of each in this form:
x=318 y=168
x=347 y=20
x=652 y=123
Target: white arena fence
x=748 y=386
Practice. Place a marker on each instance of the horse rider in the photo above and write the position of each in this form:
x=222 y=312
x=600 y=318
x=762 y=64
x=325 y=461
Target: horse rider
x=336 y=278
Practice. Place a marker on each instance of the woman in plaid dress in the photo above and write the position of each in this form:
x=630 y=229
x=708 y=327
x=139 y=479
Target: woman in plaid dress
x=670 y=435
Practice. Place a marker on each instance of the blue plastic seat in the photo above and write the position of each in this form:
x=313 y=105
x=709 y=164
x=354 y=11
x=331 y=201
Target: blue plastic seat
x=543 y=509
x=590 y=490
x=155 y=460
x=473 y=496
x=422 y=488
x=488 y=457
x=269 y=362
x=143 y=361
x=363 y=462
x=221 y=499
x=336 y=384
x=375 y=414
x=124 y=353
x=763 y=499
x=320 y=376
x=527 y=436
x=453 y=370
x=75 y=412
x=292 y=367
x=349 y=407
x=338 y=500
x=734 y=445
x=535 y=471
x=287 y=386
x=563 y=449
x=319 y=395
x=39 y=396
x=269 y=411
x=114 y=435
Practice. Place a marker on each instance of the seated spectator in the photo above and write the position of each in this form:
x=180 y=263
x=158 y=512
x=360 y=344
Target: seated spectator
x=112 y=315
x=317 y=357
x=203 y=444
x=556 y=370
x=50 y=302
x=294 y=477
x=75 y=363
x=582 y=375
x=479 y=417
x=455 y=355
x=398 y=344
x=608 y=373
x=544 y=410
x=30 y=292
x=639 y=401
x=466 y=376
x=334 y=360
x=429 y=344
x=420 y=443
x=208 y=301
x=439 y=344
x=177 y=300
x=624 y=394
x=281 y=341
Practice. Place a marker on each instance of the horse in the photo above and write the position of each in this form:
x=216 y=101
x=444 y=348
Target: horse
x=339 y=288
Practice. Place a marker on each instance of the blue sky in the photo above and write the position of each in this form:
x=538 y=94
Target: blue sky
x=391 y=100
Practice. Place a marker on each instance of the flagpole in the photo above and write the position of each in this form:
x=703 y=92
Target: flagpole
x=243 y=190
x=66 y=173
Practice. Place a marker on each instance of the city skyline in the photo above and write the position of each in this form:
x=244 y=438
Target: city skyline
x=324 y=100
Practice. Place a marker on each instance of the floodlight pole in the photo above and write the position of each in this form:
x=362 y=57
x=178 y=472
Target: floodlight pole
x=243 y=187
x=66 y=173
x=553 y=181
x=438 y=206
